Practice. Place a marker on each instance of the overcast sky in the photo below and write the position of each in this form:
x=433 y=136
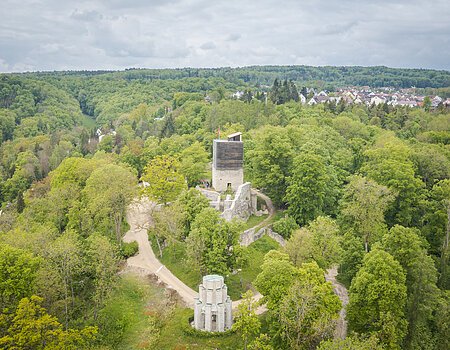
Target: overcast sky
x=117 y=34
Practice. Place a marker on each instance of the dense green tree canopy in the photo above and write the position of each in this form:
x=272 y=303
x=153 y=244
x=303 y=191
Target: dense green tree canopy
x=378 y=298
x=165 y=181
x=213 y=243
x=347 y=173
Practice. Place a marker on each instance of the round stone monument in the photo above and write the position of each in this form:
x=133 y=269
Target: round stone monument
x=212 y=310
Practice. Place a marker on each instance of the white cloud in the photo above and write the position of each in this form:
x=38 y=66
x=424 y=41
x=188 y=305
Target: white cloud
x=115 y=34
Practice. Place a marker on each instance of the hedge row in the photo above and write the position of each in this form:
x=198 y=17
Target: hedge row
x=191 y=331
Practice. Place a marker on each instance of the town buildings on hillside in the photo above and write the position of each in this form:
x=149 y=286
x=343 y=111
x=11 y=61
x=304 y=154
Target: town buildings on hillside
x=364 y=95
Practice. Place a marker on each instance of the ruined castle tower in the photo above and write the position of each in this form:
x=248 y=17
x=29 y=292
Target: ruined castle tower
x=228 y=160
x=212 y=311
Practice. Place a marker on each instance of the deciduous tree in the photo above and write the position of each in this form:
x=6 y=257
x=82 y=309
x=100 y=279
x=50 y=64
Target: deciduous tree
x=108 y=192
x=17 y=273
x=352 y=342
x=246 y=321
x=391 y=166
x=309 y=310
x=378 y=298
x=102 y=262
x=194 y=163
x=311 y=188
x=165 y=181
x=33 y=328
x=406 y=246
x=276 y=276
x=363 y=206
x=320 y=241
x=214 y=243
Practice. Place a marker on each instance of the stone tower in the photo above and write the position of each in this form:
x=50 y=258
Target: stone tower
x=228 y=160
x=212 y=311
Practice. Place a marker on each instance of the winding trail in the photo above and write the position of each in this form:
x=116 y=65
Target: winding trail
x=270 y=208
x=139 y=217
x=341 y=292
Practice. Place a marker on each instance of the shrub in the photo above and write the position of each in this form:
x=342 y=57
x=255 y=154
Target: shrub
x=285 y=226
x=129 y=249
x=191 y=331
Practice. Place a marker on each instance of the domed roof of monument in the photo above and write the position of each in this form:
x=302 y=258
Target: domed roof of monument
x=212 y=278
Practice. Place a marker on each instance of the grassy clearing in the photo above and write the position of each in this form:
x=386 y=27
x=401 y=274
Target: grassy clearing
x=173 y=337
x=126 y=320
x=142 y=315
x=279 y=214
x=87 y=121
x=174 y=258
x=242 y=281
x=253 y=221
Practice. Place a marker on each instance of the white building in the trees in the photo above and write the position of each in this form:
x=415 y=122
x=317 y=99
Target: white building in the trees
x=213 y=309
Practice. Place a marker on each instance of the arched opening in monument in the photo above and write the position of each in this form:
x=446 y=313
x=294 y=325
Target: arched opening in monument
x=214 y=323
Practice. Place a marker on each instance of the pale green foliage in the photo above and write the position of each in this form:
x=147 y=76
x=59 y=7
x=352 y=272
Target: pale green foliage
x=164 y=179
x=102 y=263
x=26 y=170
x=192 y=202
x=351 y=343
x=168 y=225
x=32 y=328
x=261 y=343
x=363 y=205
x=60 y=152
x=308 y=312
x=300 y=246
x=320 y=242
x=193 y=163
x=17 y=273
x=246 y=321
x=390 y=165
x=107 y=194
x=431 y=162
x=378 y=299
x=276 y=277
x=64 y=257
x=326 y=241
x=74 y=171
x=350 y=128
x=285 y=226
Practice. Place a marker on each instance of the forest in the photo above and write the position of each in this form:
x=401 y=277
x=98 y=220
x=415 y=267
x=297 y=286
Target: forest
x=362 y=188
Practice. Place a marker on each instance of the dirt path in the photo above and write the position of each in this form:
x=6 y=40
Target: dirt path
x=139 y=217
x=270 y=208
x=341 y=292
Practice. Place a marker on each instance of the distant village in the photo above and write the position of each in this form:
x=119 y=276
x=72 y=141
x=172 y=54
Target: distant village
x=368 y=96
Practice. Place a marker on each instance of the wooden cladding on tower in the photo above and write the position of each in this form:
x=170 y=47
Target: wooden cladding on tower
x=228 y=155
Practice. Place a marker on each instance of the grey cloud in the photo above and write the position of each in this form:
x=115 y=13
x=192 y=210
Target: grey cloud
x=208 y=46
x=87 y=16
x=233 y=37
x=337 y=28
x=115 y=34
